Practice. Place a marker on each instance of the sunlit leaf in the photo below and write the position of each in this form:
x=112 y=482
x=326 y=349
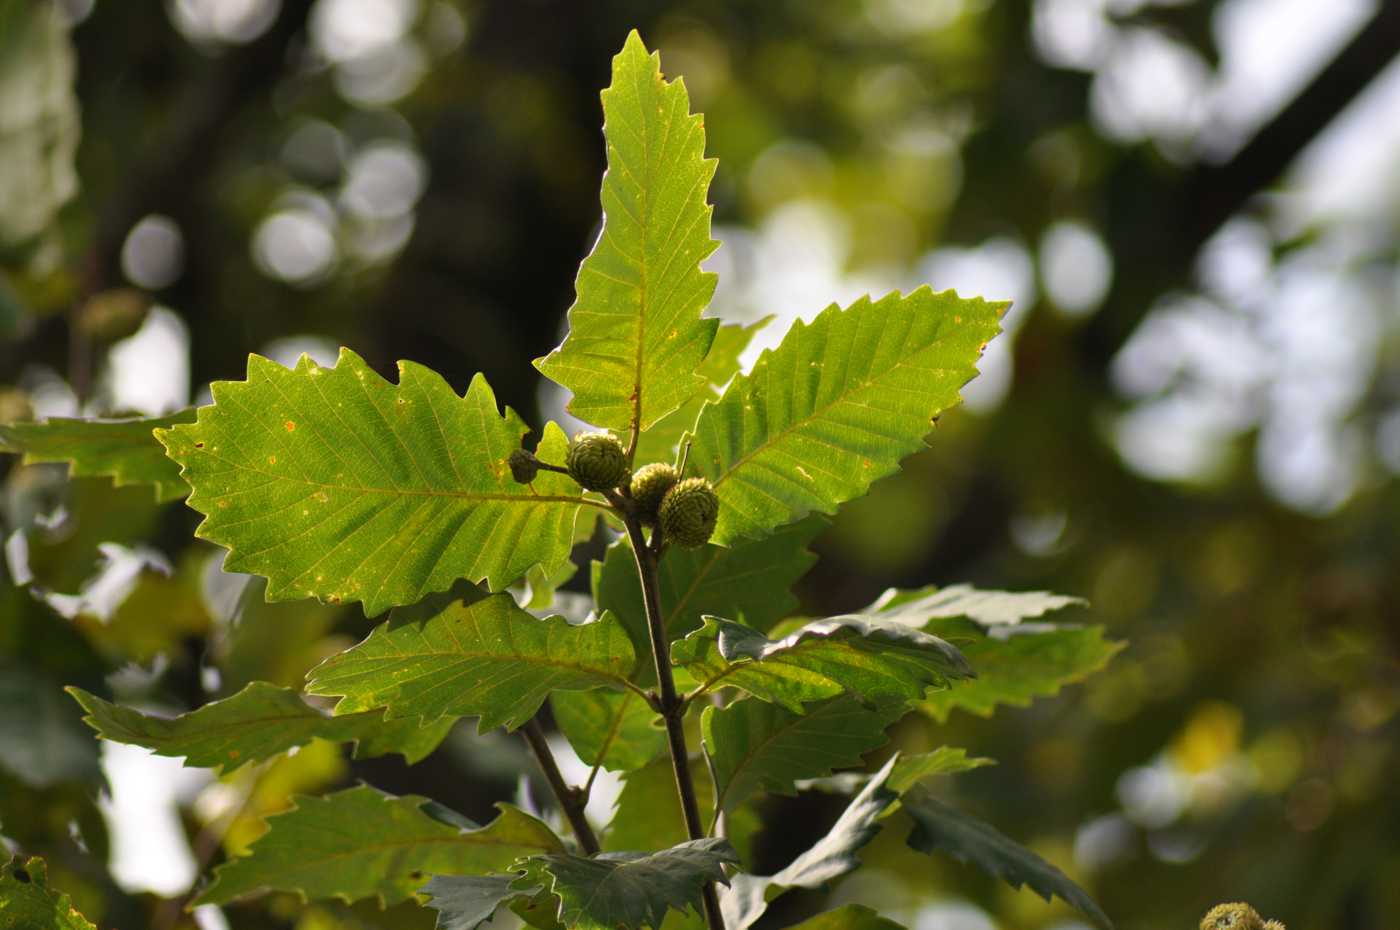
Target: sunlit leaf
x=747 y=897
x=334 y=483
x=469 y=654
x=660 y=442
x=628 y=890
x=255 y=724
x=836 y=406
x=756 y=746
x=124 y=450
x=363 y=843
x=874 y=661
x=28 y=903
x=617 y=730
x=989 y=608
x=635 y=333
x=940 y=828
x=1015 y=661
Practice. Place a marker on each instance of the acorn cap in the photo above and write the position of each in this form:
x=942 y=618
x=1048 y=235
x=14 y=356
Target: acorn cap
x=688 y=513
x=597 y=461
x=649 y=485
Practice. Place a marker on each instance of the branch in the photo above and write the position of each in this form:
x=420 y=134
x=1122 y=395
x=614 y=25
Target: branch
x=571 y=800
x=671 y=705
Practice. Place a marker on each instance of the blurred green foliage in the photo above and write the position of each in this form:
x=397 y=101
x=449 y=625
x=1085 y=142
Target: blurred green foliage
x=419 y=180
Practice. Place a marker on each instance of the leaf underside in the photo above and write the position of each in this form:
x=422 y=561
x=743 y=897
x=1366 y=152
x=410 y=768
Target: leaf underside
x=988 y=608
x=635 y=333
x=836 y=406
x=362 y=843
x=334 y=483
x=469 y=653
x=629 y=890
x=124 y=450
x=940 y=828
x=464 y=902
x=257 y=723
x=1015 y=661
x=878 y=663
x=834 y=855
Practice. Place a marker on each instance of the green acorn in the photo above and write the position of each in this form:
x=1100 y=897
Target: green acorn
x=523 y=466
x=688 y=512
x=597 y=461
x=649 y=486
x=1232 y=917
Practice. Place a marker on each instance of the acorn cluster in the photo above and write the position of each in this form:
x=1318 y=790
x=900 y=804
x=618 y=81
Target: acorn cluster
x=684 y=511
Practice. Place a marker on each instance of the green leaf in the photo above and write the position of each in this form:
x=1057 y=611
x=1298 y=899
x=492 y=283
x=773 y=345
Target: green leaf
x=940 y=828
x=848 y=917
x=988 y=608
x=908 y=771
x=257 y=723
x=836 y=406
x=756 y=746
x=647 y=813
x=615 y=730
x=363 y=843
x=661 y=441
x=124 y=450
x=1016 y=662
x=44 y=740
x=635 y=333
x=334 y=483
x=628 y=890
x=1015 y=665
x=876 y=662
x=469 y=653
x=945 y=760
x=28 y=903
x=464 y=902
x=751 y=581
x=747 y=897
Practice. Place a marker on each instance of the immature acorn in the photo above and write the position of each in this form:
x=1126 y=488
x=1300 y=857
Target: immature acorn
x=688 y=512
x=523 y=466
x=649 y=486
x=1236 y=916
x=597 y=461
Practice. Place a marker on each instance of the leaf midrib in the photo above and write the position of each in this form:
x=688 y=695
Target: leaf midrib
x=401 y=492
x=819 y=413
